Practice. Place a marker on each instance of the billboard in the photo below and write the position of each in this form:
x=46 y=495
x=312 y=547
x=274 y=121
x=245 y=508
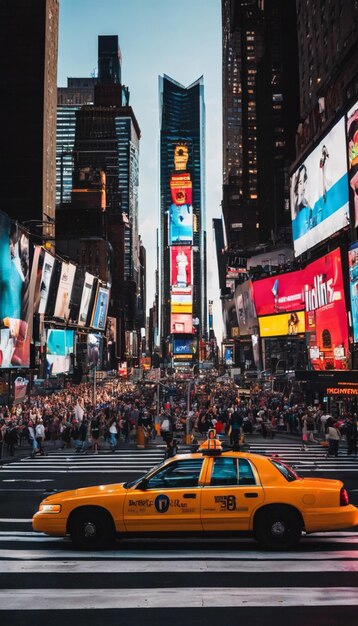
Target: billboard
x=181 y=323
x=181 y=188
x=182 y=308
x=45 y=267
x=245 y=308
x=181 y=298
x=282 y=324
x=231 y=325
x=279 y=294
x=184 y=346
x=16 y=306
x=352 y=142
x=100 y=309
x=228 y=354
x=60 y=346
x=353 y=287
x=180 y=224
x=111 y=330
x=94 y=350
x=76 y=294
x=86 y=299
x=319 y=192
x=181 y=268
x=63 y=299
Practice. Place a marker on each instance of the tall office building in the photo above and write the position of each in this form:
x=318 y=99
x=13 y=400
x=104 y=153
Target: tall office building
x=182 y=236
x=260 y=115
x=28 y=78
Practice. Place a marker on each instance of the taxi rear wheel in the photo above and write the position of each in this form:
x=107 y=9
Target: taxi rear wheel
x=278 y=528
x=91 y=529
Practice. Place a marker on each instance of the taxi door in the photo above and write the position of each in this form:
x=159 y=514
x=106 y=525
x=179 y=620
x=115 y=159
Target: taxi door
x=231 y=494
x=169 y=500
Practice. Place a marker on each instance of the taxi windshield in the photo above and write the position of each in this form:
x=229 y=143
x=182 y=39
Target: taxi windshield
x=132 y=483
x=286 y=471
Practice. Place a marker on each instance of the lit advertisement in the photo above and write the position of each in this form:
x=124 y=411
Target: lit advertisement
x=60 y=346
x=231 y=327
x=111 y=330
x=228 y=354
x=76 y=294
x=46 y=264
x=245 y=308
x=352 y=142
x=319 y=192
x=181 y=188
x=184 y=346
x=282 y=324
x=180 y=224
x=353 y=286
x=94 y=350
x=62 y=306
x=181 y=299
x=182 y=308
x=279 y=294
x=100 y=309
x=16 y=305
x=181 y=323
x=86 y=299
x=181 y=270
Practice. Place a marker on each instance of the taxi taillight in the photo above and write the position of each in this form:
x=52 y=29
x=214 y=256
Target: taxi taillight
x=343 y=498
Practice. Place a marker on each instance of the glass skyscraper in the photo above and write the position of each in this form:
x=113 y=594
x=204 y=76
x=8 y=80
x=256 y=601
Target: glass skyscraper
x=182 y=195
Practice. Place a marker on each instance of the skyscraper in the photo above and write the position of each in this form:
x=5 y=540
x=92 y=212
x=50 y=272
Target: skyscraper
x=182 y=236
x=28 y=75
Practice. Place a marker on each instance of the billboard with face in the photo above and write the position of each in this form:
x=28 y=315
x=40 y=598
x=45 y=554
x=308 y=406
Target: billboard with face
x=180 y=224
x=181 y=323
x=16 y=305
x=62 y=305
x=245 y=308
x=181 y=271
x=352 y=142
x=86 y=299
x=60 y=346
x=319 y=192
x=45 y=267
x=353 y=286
x=100 y=309
x=282 y=324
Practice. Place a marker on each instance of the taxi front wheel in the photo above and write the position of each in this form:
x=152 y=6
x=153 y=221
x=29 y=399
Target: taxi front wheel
x=278 y=528
x=91 y=529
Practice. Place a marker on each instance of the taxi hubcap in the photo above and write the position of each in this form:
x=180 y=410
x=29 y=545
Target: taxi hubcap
x=278 y=529
x=89 y=529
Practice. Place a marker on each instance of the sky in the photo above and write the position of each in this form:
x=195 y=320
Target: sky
x=156 y=37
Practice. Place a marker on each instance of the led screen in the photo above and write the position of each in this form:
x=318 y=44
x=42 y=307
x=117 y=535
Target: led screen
x=16 y=306
x=100 y=309
x=279 y=294
x=180 y=224
x=63 y=299
x=245 y=308
x=46 y=264
x=353 y=286
x=319 y=192
x=184 y=346
x=181 y=323
x=228 y=354
x=86 y=299
x=181 y=188
x=283 y=324
x=94 y=350
x=60 y=346
x=352 y=142
x=181 y=276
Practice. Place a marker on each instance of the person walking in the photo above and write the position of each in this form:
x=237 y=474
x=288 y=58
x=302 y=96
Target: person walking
x=94 y=430
x=40 y=435
x=334 y=437
x=113 y=433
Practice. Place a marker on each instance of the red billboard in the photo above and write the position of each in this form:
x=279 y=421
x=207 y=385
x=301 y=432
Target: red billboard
x=181 y=270
x=279 y=294
x=181 y=323
x=181 y=188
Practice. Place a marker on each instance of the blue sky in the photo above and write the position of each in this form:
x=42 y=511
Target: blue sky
x=180 y=39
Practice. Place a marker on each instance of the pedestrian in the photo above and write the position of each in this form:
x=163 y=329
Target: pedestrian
x=113 y=433
x=40 y=435
x=94 y=431
x=235 y=424
x=333 y=436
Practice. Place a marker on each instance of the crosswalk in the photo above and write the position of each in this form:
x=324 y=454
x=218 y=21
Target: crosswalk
x=47 y=574
x=135 y=461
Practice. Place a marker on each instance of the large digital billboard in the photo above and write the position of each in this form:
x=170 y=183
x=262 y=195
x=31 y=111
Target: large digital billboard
x=181 y=188
x=352 y=142
x=63 y=299
x=282 y=324
x=86 y=299
x=181 y=323
x=16 y=305
x=100 y=309
x=245 y=308
x=181 y=269
x=319 y=192
x=44 y=268
x=94 y=350
x=180 y=224
x=60 y=346
x=279 y=294
x=184 y=346
x=353 y=286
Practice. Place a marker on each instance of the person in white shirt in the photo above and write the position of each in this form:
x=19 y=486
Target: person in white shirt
x=40 y=435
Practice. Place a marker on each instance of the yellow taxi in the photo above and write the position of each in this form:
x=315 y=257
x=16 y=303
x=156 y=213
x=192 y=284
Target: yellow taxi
x=205 y=492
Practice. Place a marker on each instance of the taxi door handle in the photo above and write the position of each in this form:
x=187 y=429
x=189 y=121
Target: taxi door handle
x=251 y=494
x=189 y=495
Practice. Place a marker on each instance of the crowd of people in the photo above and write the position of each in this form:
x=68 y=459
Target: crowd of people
x=70 y=419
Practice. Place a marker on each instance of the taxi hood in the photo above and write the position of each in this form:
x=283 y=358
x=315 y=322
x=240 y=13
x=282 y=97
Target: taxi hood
x=97 y=490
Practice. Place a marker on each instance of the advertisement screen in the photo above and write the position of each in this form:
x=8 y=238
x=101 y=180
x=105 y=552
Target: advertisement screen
x=16 y=306
x=231 y=325
x=86 y=299
x=62 y=305
x=100 y=309
x=228 y=354
x=279 y=294
x=180 y=224
x=111 y=330
x=46 y=264
x=245 y=308
x=353 y=286
x=181 y=188
x=319 y=192
x=94 y=350
x=352 y=142
x=60 y=346
x=76 y=294
x=282 y=324
x=184 y=346
x=181 y=276
x=181 y=299
x=181 y=323
x=182 y=308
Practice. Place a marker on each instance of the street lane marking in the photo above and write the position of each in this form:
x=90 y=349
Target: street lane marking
x=14 y=520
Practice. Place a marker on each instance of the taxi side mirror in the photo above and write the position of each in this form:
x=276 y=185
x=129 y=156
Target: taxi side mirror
x=143 y=484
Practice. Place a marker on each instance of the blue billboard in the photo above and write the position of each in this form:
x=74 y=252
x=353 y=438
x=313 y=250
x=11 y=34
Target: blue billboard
x=353 y=286
x=180 y=224
x=184 y=346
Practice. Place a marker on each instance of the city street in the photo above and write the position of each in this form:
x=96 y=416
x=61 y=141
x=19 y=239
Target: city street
x=195 y=579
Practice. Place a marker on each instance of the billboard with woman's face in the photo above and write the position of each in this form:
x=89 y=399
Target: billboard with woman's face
x=352 y=142
x=319 y=192
x=16 y=306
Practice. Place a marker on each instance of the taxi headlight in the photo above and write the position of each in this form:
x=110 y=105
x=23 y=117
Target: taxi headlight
x=50 y=508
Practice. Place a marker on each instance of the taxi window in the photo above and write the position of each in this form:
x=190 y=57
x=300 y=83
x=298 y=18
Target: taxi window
x=177 y=474
x=232 y=471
